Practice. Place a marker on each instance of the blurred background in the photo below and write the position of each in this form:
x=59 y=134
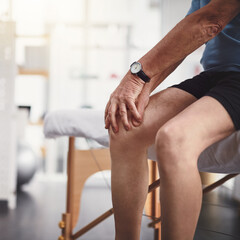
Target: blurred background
x=72 y=54
x=66 y=54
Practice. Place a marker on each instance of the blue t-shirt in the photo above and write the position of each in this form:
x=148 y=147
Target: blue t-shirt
x=222 y=53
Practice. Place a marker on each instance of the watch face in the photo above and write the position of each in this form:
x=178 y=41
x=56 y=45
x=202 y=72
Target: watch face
x=136 y=67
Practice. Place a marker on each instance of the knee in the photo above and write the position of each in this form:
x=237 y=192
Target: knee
x=172 y=147
x=169 y=137
x=125 y=139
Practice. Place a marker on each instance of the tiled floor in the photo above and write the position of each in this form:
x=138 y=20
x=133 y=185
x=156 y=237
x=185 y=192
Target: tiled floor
x=41 y=203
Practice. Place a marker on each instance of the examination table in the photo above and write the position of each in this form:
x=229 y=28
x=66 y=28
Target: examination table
x=221 y=157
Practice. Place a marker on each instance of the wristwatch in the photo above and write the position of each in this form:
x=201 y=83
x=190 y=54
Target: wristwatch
x=136 y=69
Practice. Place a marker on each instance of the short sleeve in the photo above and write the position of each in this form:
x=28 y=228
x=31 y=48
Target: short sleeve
x=194 y=6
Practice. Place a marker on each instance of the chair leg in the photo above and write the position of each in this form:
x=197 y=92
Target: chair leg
x=66 y=223
x=65 y=226
x=157 y=234
x=154 y=200
x=158 y=227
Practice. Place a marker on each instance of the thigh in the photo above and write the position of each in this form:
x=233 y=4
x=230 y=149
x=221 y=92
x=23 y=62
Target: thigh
x=162 y=106
x=201 y=124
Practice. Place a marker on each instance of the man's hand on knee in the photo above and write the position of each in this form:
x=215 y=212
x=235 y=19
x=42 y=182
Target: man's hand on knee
x=128 y=97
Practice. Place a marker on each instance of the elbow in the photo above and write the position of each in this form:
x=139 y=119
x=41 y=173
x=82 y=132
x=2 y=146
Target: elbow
x=211 y=29
x=207 y=27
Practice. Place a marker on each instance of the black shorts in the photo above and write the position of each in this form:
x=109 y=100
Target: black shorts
x=223 y=86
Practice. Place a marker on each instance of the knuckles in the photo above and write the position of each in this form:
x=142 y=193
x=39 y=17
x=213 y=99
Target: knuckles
x=122 y=113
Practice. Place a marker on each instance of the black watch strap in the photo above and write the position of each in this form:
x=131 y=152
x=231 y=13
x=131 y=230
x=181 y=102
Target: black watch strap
x=143 y=76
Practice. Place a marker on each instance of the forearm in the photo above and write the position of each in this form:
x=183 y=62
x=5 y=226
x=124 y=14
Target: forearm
x=163 y=58
x=158 y=78
x=188 y=35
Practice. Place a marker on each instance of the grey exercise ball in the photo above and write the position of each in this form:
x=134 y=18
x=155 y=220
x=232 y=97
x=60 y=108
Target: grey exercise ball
x=26 y=164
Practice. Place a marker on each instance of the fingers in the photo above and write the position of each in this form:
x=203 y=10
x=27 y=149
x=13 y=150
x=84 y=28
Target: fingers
x=124 y=117
x=107 y=122
x=122 y=108
x=106 y=117
x=106 y=110
x=133 y=109
x=112 y=111
x=136 y=122
x=141 y=105
x=111 y=117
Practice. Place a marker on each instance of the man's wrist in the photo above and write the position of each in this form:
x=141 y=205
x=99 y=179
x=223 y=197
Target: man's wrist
x=137 y=70
x=148 y=66
x=135 y=78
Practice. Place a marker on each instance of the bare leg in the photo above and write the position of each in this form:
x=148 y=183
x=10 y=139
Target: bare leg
x=129 y=160
x=179 y=143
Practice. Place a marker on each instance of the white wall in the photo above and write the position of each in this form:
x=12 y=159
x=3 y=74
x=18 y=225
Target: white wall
x=116 y=34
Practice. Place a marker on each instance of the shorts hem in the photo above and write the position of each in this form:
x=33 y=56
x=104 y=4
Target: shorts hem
x=190 y=91
x=228 y=107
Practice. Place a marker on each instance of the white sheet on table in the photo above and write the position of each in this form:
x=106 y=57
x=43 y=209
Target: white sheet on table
x=222 y=157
